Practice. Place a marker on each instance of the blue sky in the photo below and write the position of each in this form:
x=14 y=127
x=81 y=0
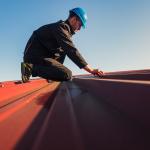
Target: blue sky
x=117 y=36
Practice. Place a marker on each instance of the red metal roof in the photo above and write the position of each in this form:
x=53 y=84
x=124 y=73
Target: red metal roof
x=87 y=113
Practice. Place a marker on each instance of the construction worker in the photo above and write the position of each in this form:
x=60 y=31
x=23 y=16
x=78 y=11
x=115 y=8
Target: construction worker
x=48 y=46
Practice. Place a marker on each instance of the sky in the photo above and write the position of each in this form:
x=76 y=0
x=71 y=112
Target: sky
x=117 y=36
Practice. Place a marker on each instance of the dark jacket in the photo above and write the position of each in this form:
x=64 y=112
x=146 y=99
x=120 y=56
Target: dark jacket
x=53 y=41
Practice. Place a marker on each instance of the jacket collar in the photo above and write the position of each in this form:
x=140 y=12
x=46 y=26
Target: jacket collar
x=71 y=30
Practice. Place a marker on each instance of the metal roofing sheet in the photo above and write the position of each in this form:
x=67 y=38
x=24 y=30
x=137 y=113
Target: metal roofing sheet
x=83 y=114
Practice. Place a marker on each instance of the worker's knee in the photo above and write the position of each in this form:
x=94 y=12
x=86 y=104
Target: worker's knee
x=67 y=75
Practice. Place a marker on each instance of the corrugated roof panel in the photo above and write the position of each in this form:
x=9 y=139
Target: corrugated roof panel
x=83 y=114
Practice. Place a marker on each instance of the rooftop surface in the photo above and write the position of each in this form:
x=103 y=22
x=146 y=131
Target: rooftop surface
x=87 y=113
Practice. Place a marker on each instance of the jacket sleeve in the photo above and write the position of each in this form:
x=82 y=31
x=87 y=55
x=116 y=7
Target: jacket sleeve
x=63 y=38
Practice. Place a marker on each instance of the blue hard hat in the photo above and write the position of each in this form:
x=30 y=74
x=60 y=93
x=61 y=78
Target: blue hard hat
x=81 y=14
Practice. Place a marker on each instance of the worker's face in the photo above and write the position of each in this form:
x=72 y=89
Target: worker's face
x=76 y=25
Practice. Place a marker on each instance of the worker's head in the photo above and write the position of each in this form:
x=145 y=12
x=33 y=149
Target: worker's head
x=77 y=18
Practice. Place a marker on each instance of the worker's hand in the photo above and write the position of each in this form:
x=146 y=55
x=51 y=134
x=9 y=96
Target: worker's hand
x=97 y=72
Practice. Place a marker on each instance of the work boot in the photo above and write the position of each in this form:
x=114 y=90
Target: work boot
x=26 y=71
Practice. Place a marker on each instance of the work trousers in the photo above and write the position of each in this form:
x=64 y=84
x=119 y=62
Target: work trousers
x=51 y=69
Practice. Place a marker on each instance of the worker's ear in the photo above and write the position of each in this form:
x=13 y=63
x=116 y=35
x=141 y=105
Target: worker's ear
x=74 y=19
